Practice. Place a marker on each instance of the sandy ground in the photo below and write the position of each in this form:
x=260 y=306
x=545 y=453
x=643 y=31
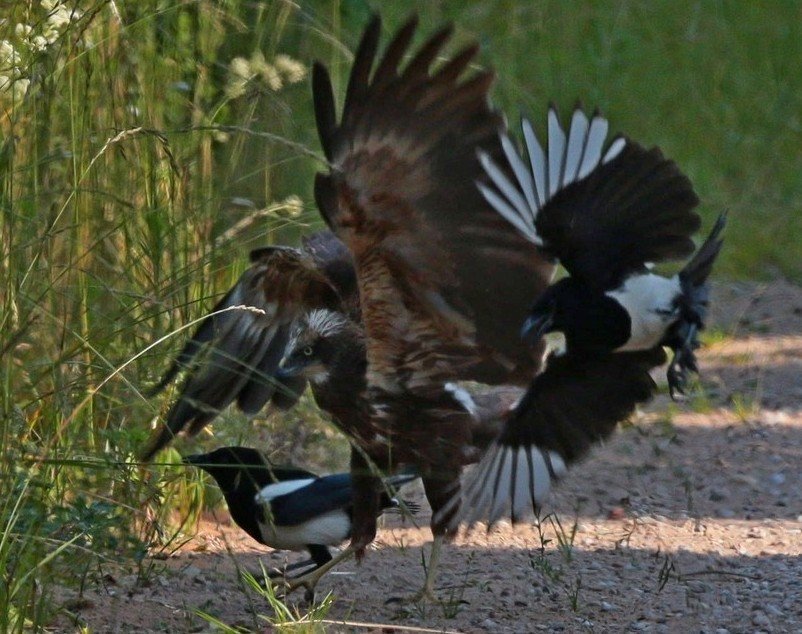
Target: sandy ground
x=687 y=521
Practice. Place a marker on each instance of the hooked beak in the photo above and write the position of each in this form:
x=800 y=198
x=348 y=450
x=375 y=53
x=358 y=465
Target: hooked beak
x=537 y=325
x=288 y=370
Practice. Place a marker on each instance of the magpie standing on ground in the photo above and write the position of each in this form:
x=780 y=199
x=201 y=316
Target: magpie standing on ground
x=289 y=508
x=607 y=216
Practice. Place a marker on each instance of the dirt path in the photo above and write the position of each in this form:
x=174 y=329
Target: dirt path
x=688 y=521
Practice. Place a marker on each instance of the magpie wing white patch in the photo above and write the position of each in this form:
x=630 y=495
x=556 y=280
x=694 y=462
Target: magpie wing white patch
x=602 y=208
x=557 y=145
x=577 y=138
x=537 y=162
x=571 y=156
x=272 y=491
x=597 y=134
x=511 y=481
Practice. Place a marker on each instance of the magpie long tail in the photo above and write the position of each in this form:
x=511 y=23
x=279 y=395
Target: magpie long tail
x=697 y=270
x=683 y=337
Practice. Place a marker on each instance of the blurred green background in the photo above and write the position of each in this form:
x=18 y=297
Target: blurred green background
x=146 y=146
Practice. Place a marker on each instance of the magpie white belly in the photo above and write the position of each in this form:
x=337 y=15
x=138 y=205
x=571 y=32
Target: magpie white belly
x=330 y=529
x=651 y=302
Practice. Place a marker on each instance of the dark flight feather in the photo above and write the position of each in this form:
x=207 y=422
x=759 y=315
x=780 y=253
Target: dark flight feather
x=234 y=356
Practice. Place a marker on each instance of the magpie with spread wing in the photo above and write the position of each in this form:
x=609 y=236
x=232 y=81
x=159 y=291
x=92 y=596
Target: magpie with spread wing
x=289 y=508
x=606 y=215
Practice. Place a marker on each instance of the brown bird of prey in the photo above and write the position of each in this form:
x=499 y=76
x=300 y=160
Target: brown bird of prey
x=407 y=143
x=444 y=284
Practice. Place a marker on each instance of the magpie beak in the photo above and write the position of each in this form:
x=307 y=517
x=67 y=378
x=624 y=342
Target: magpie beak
x=536 y=325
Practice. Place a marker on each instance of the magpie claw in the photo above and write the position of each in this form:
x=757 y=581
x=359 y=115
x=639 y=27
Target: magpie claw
x=682 y=363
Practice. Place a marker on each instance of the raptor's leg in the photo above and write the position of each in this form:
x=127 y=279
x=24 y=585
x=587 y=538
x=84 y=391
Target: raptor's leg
x=439 y=491
x=426 y=593
x=367 y=502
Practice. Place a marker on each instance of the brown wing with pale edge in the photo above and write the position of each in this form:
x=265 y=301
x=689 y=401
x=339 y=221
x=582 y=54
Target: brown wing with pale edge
x=444 y=281
x=236 y=351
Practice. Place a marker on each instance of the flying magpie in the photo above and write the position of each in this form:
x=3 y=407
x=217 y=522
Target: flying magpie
x=289 y=508
x=607 y=215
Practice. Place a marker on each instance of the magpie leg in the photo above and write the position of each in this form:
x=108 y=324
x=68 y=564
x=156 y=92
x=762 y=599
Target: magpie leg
x=310 y=579
x=277 y=573
x=682 y=362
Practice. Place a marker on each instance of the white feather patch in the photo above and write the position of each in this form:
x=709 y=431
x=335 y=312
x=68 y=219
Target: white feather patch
x=272 y=491
x=616 y=147
x=556 y=152
x=650 y=302
x=464 y=398
x=597 y=133
x=523 y=175
x=507 y=212
x=505 y=186
x=537 y=161
x=570 y=157
x=577 y=136
x=509 y=480
x=329 y=529
x=325 y=322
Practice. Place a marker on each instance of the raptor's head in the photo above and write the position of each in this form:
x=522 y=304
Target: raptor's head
x=326 y=342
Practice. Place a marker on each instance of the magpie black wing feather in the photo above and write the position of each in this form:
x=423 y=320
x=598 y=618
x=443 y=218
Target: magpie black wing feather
x=576 y=402
x=603 y=210
x=326 y=494
x=633 y=210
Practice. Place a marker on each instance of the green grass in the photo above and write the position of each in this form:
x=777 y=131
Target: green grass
x=146 y=146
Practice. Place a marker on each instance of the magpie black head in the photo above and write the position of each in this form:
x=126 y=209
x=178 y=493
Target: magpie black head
x=242 y=469
x=327 y=343
x=590 y=320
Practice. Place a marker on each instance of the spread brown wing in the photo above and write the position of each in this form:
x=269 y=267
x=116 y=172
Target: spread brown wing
x=444 y=281
x=576 y=402
x=236 y=351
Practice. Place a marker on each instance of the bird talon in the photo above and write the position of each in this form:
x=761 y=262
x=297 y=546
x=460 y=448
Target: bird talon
x=423 y=595
x=677 y=379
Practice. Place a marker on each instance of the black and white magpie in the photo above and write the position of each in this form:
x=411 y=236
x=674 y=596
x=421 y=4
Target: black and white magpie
x=607 y=215
x=606 y=211
x=288 y=508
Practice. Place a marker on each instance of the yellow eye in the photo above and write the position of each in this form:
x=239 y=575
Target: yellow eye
x=308 y=351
